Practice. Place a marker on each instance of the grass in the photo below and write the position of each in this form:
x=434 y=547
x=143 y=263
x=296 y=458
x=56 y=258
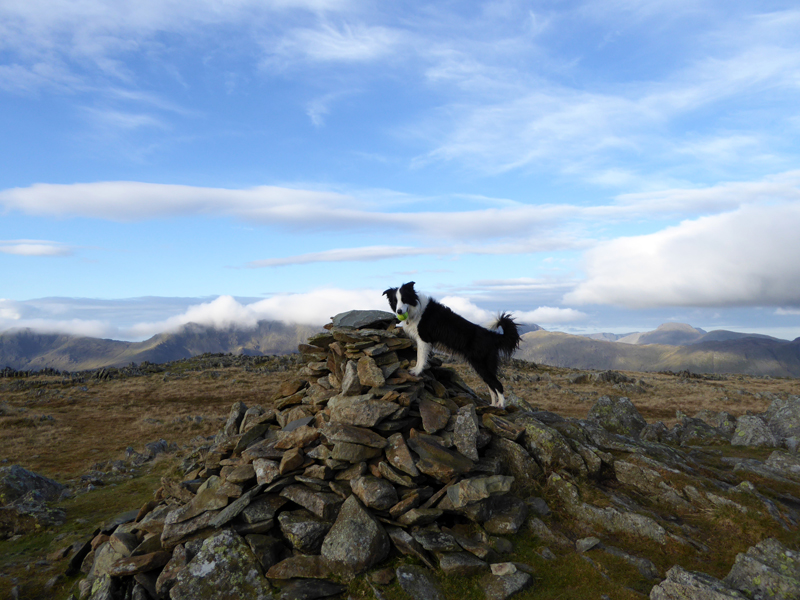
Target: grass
x=23 y=560
x=62 y=428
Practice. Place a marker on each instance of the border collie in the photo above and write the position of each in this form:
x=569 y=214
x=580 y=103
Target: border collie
x=431 y=324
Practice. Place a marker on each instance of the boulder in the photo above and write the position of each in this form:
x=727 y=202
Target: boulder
x=753 y=431
x=681 y=584
x=767 y=570
x=618 y=416
x=356 y=542
x=16 y=482
x=225 y=567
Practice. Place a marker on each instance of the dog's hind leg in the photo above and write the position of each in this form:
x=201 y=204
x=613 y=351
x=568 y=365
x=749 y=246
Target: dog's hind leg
x=423 y=351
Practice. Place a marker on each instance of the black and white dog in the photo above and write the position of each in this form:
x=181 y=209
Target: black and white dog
x=431 y=324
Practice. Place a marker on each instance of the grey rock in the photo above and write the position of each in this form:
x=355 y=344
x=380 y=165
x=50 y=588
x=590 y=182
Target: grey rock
x=374 y=492
x=353 y=453
x=267 y=549
x=608 y=518
x=516 y=461
x=356 y=542
x=475 y=489
x=696 y=432
x=361 y=411
x=262 y=508
x=783 y=417
x=369 y=373
x=461 y=563
x=408 y=546
x=549 y=447
x=342 y=432
x=753 y=431
x=16 y=482
x=224 y=568
x=787 y=465
x=323 y=504
x=767 y=570
x=419 y=583
x=435 y=416
x=500 y=587
x=439 y=462
x=617 y=416
x=399 y=455
x=235 y=417
x=303 y=530
x=538 y=506
x=508 y=515
x=351 y=386
x=301 y=566
x=433 y=539
x=681 y=584
x=586 y=544
x=363 y=319
x=417 y=517
x=465 y=433
x=310 y=589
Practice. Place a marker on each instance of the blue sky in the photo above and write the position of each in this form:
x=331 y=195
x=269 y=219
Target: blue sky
x=592 y=166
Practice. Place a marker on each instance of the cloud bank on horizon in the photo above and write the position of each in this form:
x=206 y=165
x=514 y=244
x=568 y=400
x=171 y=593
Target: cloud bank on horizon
x=590 y=166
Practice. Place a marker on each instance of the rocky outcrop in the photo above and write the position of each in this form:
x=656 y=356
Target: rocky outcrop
x=25 y=499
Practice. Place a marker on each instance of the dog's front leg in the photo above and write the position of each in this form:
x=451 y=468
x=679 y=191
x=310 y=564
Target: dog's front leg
x=423 y=351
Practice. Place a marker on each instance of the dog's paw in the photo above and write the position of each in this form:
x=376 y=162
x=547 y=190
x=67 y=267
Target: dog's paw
x=417 y=371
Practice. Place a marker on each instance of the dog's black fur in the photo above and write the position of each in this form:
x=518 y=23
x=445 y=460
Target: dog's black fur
x=432 y=324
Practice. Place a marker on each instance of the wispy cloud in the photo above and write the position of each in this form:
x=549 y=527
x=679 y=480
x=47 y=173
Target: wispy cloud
x=132 y=201
x=373 y=253
x=35 y=248
x=346 y=42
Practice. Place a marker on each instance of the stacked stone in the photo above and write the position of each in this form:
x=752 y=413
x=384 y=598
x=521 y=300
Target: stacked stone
x=354 y=459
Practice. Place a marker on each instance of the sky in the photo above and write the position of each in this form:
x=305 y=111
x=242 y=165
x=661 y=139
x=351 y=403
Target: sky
x=589 y=165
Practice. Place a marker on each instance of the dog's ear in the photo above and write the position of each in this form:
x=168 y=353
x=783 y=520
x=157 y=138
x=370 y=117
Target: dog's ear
x=389 y=291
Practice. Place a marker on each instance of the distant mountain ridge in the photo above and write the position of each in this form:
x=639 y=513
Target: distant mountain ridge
x=680 y=348
x=672 y=347
x=26 y=349
x=679 y=334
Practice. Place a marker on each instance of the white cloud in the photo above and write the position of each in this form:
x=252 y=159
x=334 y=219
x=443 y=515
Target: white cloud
x=133 y=201
x=550 y=315
x=467 y=309
x=350 y=42
x=542 y=315
x=34 y=248
x=311 y=308
x=746 y=257
x=373 y=253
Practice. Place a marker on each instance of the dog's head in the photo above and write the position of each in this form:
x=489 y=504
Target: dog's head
x=403 y=300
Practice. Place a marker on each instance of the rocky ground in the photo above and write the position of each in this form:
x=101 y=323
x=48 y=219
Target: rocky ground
x=356 y=479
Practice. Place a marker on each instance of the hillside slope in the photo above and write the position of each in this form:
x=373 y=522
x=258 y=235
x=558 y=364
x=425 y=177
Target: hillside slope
x=751 y=355
x=28 y=350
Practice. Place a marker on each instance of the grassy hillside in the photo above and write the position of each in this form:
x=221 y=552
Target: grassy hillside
x=747 y=355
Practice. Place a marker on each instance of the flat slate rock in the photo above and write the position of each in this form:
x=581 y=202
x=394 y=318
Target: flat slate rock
x=362 y=319
x=419 y=583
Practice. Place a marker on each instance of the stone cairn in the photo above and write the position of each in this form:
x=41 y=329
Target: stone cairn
x=356 y=459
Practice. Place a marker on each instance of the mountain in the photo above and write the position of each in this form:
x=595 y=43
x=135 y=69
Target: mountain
x=26 y=349
x=671 y=347
x=721 y=353
x=670 y=334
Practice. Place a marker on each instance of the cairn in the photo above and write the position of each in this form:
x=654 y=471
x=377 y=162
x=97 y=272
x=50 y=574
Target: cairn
x=356 y=458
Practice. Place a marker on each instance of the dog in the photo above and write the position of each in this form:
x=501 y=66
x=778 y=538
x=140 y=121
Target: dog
x=433 y=325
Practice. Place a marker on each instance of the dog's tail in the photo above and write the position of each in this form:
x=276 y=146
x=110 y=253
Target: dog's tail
x=509 y=339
